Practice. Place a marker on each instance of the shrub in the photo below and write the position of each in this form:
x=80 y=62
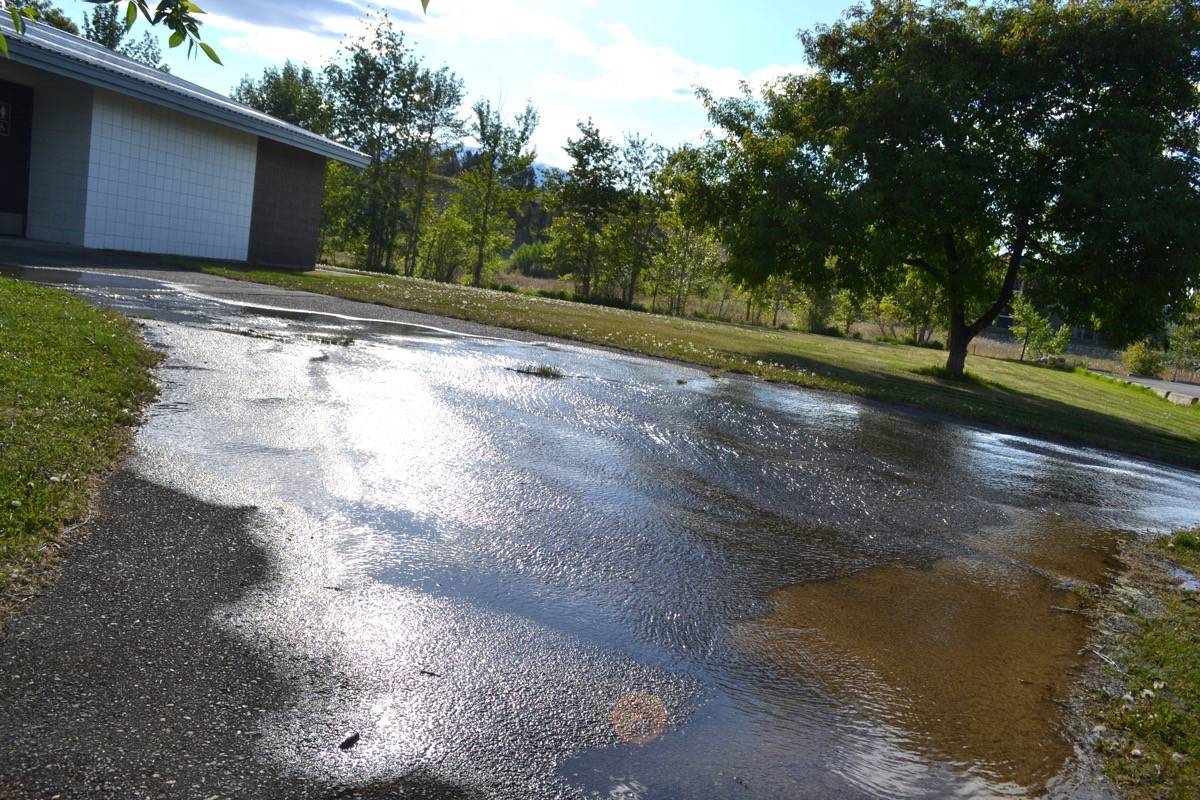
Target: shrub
x=929 y=344
x=533 y=259
x=555 y=294
x=1035 y=332
x=1140 y=358
x=612 y=302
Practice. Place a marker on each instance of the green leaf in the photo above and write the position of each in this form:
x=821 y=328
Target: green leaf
x=18 y=22
x=425 y=6
x=130 y=14
x=176 y=39
x=3 y=46
x=208 y=51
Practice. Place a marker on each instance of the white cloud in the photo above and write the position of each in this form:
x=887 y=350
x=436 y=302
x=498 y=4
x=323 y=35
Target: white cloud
x=628 y=68
x=624 y=67
x=455 y=22
x=278 y=44
x=604 y=70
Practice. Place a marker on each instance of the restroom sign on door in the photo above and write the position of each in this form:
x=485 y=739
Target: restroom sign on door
x=5 y=118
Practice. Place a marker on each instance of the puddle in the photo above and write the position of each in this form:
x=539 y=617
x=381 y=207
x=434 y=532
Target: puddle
x=67 y=277
x=969 y=658
x=1187 y=581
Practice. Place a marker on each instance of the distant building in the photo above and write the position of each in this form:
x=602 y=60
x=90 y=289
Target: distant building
x=100 y=151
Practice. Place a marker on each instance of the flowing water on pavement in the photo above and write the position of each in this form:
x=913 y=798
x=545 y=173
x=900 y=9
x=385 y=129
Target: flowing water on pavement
x=614 y=584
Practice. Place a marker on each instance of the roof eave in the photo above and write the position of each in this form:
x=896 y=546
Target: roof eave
x=34 y=56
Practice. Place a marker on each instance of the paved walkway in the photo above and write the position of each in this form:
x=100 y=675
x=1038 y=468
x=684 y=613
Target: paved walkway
x=16 y=253
x=1184 y=394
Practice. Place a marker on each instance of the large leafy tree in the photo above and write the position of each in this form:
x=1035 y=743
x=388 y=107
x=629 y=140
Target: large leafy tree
x=1054 y=141
x=687 y=260
x=292 y=93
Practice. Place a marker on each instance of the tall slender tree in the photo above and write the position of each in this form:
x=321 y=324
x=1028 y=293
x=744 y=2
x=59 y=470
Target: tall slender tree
x=109 y=26
x=589 y=193
x=45 y=11
x=373 y=89
x=503 y=156
x=642 y=201
x=439 y=97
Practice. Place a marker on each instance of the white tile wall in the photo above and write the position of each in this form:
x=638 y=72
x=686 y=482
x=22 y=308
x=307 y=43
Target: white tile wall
x=163 y=182
x=58 y=158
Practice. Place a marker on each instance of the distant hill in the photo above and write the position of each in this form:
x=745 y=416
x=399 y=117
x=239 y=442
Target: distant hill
x=462 y=158
x=543 y=172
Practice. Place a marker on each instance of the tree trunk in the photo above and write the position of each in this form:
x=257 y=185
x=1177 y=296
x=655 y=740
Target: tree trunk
x=414 y=230
x=960 y=333
x=486 y=213
x=960 y=337
x=1025 y=346
x=589 y=258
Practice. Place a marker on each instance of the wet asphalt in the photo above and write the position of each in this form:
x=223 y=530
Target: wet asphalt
x=120 y=682
x=349 y=556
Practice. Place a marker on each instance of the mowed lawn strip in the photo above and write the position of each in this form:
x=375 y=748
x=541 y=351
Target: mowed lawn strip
x=1025 y=398
x=72 y=380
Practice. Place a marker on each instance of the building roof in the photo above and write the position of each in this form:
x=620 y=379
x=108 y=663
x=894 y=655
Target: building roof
x=49 y=49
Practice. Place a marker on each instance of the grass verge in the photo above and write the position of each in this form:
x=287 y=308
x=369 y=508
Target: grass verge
x=1148 y=713
x=72 y=379
x=1020 y=397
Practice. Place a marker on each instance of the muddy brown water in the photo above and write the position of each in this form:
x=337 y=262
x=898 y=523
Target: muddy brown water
x=965 y=659
x=617 y=585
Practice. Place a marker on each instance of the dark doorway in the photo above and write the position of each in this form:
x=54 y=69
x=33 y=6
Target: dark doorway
x=16 y=129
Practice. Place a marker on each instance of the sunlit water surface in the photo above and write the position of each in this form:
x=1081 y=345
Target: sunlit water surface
x=635 y=581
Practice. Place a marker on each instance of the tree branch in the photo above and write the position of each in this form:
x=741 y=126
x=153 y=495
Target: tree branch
x=1015 y=256
x=925 y=267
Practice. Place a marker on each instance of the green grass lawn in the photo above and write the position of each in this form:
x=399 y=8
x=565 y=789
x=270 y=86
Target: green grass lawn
x=72 y=379
x=1152 y=742
x=1020 y=397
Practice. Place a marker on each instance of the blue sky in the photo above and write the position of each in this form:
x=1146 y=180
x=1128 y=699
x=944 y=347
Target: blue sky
x=629 y=65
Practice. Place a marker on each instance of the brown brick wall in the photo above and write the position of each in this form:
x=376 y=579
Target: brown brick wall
x=286 y=216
